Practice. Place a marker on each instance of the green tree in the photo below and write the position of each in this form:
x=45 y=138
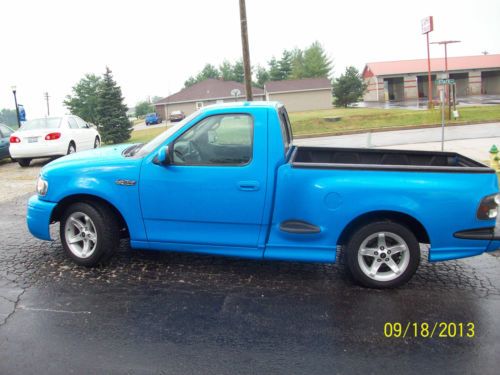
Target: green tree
x=226 y=71
x=262 y=76
x=238 y=71
x=143 y=108
x=297 y=64
x=285 y=64
x=113 y=123
x=348 y=88
x=83 y=101
x=8 y=117
x=208 y=71
x=316 y=62
x=274 y=70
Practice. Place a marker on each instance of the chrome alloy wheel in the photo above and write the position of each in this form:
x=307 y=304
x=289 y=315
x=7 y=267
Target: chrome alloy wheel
x=80 y=235
x=383 y=256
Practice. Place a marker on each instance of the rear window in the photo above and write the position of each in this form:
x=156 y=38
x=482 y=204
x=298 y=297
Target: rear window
x=286 y=129
x=42 y=123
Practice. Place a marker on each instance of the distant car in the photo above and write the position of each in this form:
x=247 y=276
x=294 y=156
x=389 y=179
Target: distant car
x=52 y=136
x=152 y=119
x=177 y=116
x=5 y=133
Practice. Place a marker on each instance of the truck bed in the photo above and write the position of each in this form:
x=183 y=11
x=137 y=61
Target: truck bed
x=380 y=159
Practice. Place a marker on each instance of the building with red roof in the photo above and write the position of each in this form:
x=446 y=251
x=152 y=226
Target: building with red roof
x=407 y=79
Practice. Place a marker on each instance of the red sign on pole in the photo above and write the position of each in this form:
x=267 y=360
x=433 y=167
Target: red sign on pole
x=427 y=25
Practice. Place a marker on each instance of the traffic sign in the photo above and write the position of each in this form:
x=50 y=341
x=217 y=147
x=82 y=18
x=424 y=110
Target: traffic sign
x=445 y=81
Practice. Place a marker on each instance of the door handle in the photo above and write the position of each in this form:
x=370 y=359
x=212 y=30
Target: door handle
x=248 y=185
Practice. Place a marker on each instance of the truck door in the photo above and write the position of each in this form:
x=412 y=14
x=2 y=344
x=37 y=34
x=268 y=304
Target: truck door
x=213 y=191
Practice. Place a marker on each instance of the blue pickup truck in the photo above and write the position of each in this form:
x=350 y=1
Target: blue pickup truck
x=227 y=180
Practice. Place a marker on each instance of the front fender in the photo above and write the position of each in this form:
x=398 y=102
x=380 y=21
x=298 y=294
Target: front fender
x=103 y=182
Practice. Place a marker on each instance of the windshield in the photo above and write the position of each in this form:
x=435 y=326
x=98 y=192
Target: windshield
x=42 y=123
x=158 y=140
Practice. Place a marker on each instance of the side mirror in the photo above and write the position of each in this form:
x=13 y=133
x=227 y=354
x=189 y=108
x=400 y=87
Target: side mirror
x=162 y=157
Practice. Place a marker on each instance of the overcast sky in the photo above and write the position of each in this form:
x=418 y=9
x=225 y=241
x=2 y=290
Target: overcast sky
x=153 y=46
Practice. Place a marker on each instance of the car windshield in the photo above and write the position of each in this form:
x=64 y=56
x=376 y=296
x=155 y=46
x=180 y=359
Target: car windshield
x=158 y=140
x=151 y=114
x=176 y=112
x=41 y=123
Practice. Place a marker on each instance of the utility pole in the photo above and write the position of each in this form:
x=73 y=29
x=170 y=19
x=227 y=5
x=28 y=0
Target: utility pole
x=246 y=53
x=46 y=96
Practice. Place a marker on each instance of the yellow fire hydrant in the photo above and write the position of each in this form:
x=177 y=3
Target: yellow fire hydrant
x=494 y=157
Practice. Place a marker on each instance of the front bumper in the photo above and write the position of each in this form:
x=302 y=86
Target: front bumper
x=38 y=217
x=490 y=234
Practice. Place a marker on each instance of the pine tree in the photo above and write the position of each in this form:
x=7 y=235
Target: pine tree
x=285 y=64
x=113 y=123
x=297 y=64
x=226 y=71
x=348 y=88
x=238 y=71
x=83 y=101
x=274 y=70
x=316 y=62
x=262 y=76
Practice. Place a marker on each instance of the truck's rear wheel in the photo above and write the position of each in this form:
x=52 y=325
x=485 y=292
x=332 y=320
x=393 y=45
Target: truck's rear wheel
x=89 y=233
x=383 y=255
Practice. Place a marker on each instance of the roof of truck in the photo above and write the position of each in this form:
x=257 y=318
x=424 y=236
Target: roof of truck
x=259 y=103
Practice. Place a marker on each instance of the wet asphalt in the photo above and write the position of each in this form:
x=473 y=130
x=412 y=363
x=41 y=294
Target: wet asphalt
x=171 y=313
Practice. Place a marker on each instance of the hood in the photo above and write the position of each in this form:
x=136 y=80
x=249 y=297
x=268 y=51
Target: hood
x=104 y=156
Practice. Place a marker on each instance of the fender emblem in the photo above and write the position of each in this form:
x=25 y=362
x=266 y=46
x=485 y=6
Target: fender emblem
x=125 y=182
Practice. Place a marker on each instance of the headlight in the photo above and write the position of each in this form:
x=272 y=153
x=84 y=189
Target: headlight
x=488 y=209
x=42 y=186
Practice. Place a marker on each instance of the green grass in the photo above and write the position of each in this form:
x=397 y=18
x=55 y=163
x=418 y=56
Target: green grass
x=363 y=119
x=140 y=136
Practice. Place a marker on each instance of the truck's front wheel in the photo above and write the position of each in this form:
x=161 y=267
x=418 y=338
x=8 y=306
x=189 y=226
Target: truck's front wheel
x=383 y=255
x=89 y=233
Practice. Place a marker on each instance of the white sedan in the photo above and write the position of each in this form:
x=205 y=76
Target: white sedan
x=52 y=136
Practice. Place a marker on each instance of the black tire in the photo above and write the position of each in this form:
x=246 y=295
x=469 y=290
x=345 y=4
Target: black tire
x=106 y=228
x=97 y=142
x=71 y=148
x=388 y=231
x=24 y=162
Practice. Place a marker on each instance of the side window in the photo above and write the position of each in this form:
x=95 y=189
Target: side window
x=6 y=132
x=81 y=124
x=216 y=140
x=72 y=123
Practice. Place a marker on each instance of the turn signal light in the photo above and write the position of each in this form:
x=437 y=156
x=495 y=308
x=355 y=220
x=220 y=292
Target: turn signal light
x=52 y=136
x=14 y=139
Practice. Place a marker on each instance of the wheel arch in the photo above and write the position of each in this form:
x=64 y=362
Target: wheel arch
x=415 y=226
x=92 y=200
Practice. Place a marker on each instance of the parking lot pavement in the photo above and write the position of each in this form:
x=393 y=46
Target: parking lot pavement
x=168 y=313
x=17 y=181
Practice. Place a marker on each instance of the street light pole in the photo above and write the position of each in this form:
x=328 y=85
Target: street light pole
x=46 y=96
x=445 y=43
x=17 y=108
